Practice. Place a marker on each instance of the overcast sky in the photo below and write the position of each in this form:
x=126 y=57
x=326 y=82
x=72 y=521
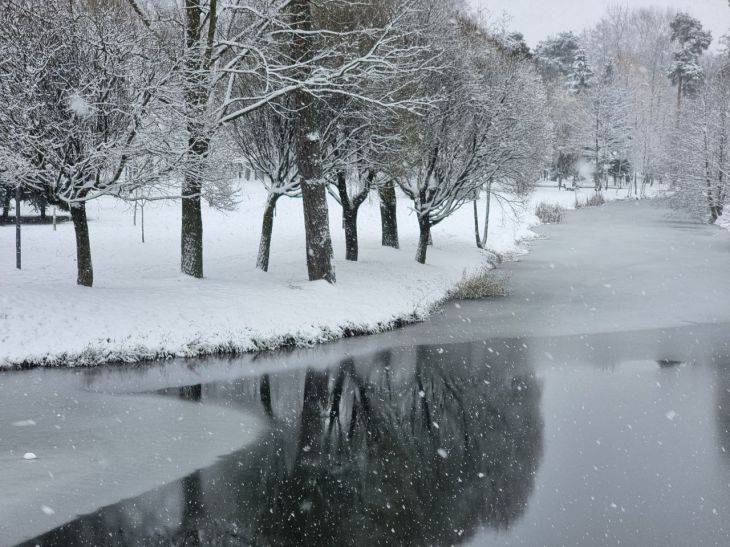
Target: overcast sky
x=537 y=19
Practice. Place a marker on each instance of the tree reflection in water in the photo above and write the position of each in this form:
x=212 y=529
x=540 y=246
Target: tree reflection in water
x=419 y=446
x=722 y=410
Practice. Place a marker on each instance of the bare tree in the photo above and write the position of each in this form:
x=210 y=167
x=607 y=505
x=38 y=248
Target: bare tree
x=487 y=127
x=82 y=79
x=265 y=139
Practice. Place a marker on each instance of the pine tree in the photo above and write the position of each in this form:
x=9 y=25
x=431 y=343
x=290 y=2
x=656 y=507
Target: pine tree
x=556 y=55
x=685 y=71
x=580 y=79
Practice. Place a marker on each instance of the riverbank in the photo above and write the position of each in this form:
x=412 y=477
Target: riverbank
x=142 y=308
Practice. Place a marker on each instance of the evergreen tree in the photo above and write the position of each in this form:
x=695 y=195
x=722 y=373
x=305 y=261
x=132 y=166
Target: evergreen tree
x=685 y=71
x=580 y=79
x=514 y=43
x=556 y=55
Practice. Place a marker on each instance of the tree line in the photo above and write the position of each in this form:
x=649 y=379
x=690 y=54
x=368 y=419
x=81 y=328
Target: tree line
x=640 y=97
x=341 y=99
x=148 y=101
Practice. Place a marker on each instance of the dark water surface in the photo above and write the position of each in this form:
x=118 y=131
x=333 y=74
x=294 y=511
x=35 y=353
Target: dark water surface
x=617 y=438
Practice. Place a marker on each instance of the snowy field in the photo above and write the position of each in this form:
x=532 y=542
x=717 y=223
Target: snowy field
x=141 y=307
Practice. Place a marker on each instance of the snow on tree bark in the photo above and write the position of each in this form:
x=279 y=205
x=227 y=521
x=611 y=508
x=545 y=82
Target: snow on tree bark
x=314 y=195
x=267 y=228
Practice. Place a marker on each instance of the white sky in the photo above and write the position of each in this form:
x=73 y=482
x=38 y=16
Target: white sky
x=537 y=19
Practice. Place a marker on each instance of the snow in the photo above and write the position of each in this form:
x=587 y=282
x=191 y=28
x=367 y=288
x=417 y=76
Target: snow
x=141 y=307
x=79 y=106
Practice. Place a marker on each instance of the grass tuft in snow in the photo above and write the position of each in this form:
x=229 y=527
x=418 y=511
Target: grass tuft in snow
x=596 y=200
x=549 y=213
x=486 y=283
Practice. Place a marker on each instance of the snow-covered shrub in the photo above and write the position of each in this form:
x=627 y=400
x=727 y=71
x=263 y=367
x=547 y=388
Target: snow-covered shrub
x=549 y=213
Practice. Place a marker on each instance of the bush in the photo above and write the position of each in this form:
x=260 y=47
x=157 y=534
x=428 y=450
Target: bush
x=549 y=213
x=594 y=201
x=486 y=283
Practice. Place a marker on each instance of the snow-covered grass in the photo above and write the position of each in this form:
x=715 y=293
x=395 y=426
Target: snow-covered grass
x=141 y=307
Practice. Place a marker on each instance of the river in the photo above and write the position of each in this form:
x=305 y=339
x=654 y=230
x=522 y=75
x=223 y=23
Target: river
x=591 y=406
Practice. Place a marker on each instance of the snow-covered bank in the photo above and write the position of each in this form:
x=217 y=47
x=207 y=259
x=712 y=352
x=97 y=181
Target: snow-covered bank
x=142 y=307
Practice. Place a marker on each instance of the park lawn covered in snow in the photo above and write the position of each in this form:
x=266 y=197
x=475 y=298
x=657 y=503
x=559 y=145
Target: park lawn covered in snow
x=141 y=307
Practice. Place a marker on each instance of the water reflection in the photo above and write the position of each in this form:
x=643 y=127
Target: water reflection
x=416 y=446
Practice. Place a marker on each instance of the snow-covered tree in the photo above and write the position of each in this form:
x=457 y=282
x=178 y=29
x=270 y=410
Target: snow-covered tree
x=486 y=126
x=637 y=42
x=293 y=48
x=362 y=60
x=556 y=55
x=691 y=39
x=608 y=134
x=702 y=183
x=569 y=119
x=580 y=78
x=360 y=136
x=514 y=43
x=265 y=141
x=76 y=85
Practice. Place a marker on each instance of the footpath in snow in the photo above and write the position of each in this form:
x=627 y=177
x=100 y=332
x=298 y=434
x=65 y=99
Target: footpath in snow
x=141 y=307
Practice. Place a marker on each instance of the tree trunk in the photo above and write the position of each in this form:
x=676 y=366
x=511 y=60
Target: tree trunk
x=53 y=214
x=349 y=216
x=679 y=100
x=388 y=215
x=317 y=230
x=486 y=214
x=6 y=207
x=713 y=215
x=477 y=235
x=43 y=212
x=83 y=246
x=314 y=196
x=191 y=240
x=191 y=237
x=267 y=228
x=424 y=226
x=141 y=213
x=17 y=227
x=350 y=208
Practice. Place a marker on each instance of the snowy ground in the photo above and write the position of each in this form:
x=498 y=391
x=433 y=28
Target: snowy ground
x=141 y=307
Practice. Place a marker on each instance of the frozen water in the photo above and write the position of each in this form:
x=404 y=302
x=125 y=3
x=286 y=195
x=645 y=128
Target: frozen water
x=561 y=399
